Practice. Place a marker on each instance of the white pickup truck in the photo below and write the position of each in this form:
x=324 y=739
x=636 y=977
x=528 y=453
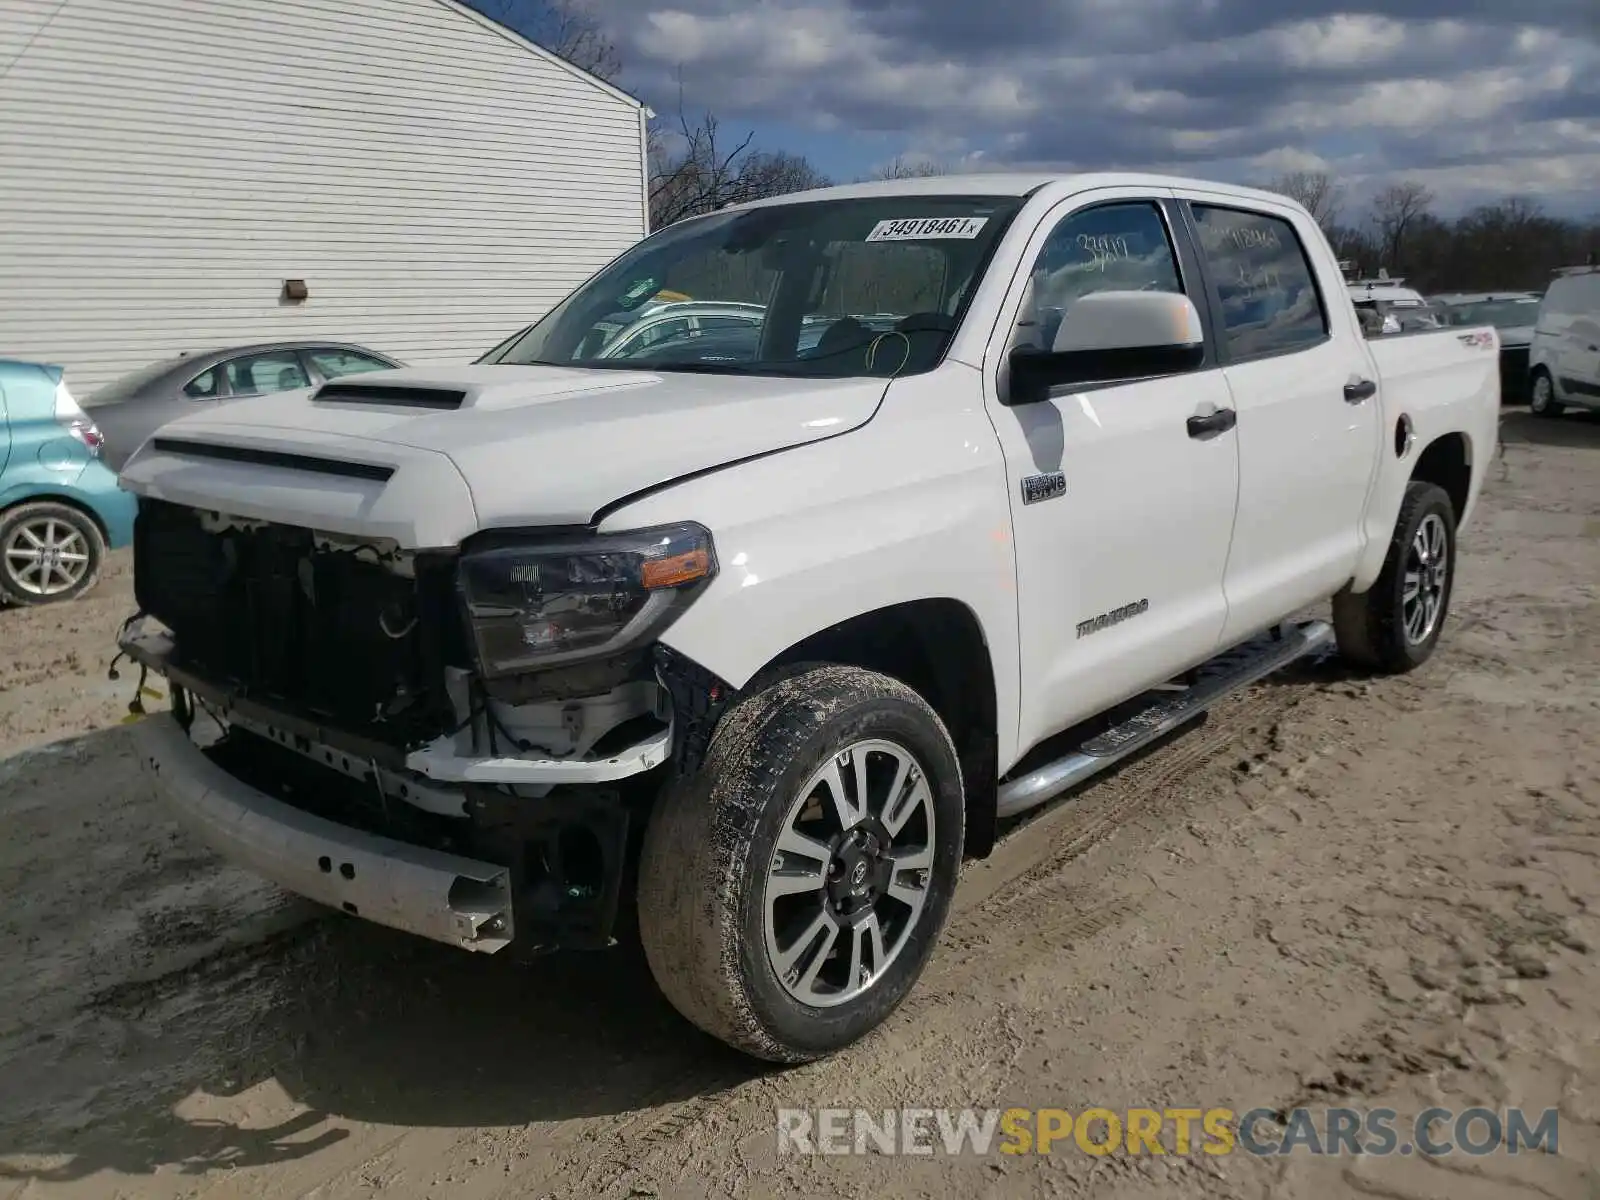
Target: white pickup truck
x=740 y=642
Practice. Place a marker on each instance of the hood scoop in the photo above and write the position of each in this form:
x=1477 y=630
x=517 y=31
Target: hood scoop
x=390 y=395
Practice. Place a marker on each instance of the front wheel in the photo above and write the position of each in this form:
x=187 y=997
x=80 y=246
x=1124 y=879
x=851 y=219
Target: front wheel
x=1395 y=625
x=791 y=892
x=1542 y=400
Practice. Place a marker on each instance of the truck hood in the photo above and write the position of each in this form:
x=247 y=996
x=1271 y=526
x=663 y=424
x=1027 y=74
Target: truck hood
x=480 y=447
x=1517 y=337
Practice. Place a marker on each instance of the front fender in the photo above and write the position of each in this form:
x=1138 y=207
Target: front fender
x=911 y=506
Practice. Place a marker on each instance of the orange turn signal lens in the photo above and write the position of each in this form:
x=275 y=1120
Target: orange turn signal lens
x=677 y=569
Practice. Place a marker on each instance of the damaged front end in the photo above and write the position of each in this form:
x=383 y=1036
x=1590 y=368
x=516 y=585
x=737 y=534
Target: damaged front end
x=463 y=744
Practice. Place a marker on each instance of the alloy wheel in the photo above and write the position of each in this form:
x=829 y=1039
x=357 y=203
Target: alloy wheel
x=1427 y=576
x=46 y=557
x=849 y=875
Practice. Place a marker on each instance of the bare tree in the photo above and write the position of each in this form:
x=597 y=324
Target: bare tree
x=568 y=28
x=901 y=167
x=1316 y=191
x=1395 y=212
x=694 y=170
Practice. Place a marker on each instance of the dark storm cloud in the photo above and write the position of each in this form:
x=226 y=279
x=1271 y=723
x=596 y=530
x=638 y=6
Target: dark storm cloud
x=1239 y=87
x=998 y=25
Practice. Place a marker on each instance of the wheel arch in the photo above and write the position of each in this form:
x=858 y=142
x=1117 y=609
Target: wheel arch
x=1447 y=462
x=65 y=499
x=937 y=648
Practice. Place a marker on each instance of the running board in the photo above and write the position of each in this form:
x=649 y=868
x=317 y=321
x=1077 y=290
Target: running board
x=1227 y=673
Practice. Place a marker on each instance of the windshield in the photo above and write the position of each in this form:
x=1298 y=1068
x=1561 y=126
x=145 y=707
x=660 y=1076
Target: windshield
x=830 y=288
x=1502 y=314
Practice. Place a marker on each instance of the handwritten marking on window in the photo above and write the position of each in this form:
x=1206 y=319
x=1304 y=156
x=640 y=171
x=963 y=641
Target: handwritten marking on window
x=1241 y=237
x=1104 y=248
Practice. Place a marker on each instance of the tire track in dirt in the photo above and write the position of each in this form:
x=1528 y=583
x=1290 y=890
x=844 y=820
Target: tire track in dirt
x=1026 y=903
x=1023 y=902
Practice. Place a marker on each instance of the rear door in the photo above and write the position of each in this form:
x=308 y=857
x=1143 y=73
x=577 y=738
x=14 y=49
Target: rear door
x=1305 y=391
x=1120 y=516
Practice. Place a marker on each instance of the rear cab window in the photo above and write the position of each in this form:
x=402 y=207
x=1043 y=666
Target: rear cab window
x=1267 y=290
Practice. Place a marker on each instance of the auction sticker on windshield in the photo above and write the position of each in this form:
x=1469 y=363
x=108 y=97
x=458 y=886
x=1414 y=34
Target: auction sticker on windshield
x=906 y=229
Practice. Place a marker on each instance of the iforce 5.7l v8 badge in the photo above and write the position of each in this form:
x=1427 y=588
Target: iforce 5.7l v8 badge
x=1043 y=487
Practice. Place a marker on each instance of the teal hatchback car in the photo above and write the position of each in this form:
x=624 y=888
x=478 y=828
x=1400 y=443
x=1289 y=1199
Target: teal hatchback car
x=60 y=506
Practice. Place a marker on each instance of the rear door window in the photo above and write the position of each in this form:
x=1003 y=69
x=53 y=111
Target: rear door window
x=334 y=362
x=259 y=374
x=1264 y=281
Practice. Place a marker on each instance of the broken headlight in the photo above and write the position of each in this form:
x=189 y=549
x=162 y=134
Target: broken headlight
x=539 y=604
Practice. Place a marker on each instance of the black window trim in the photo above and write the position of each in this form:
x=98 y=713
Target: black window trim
x=1192 y=282
x=222 y=384
x=1225 y=353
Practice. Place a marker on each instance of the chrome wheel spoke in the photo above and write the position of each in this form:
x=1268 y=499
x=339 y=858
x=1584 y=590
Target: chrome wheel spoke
x=822 y=924
x=866 y=950
x=905 y=803
x=912 y=858
x=890 y=815
x=793 y=843
x=802 y=961
x=785 y=882
x=911 y=894
x=845 y=809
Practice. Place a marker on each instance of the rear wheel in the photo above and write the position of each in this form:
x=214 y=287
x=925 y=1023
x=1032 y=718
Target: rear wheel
x=48 y=552
x=1395 y=625
x=1542 y=400
x=791 y=892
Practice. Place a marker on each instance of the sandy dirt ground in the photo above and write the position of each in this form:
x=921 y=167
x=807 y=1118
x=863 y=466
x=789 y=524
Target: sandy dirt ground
x=1335 y=891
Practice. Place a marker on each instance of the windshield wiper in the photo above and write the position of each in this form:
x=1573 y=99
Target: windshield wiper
x=637 y=364
x=701 y=368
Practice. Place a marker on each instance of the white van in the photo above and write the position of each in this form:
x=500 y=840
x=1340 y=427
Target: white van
x=1564 y=359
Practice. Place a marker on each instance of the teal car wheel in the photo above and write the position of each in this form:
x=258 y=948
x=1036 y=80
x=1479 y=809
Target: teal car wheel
x=48 y=552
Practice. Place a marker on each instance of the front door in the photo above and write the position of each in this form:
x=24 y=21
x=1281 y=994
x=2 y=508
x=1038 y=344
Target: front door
x=1309 y=415
x=1121 y=517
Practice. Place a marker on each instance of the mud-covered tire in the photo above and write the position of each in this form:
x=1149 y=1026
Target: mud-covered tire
x=1542 y=400
x=711 y=841
x=1371 y=626
x=80 y=544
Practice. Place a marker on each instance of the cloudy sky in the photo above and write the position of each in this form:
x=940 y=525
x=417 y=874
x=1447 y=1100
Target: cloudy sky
x=1476 y=98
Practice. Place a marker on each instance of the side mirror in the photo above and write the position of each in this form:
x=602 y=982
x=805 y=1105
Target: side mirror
x=1108 y=336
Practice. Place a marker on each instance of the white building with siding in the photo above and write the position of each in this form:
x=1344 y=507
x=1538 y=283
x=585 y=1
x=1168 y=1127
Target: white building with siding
x=167 y=165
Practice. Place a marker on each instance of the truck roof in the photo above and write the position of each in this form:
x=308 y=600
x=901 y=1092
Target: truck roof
x=1013 y=184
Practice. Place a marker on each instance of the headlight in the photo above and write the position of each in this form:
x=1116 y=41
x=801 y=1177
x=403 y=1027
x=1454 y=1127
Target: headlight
x=535 y=605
